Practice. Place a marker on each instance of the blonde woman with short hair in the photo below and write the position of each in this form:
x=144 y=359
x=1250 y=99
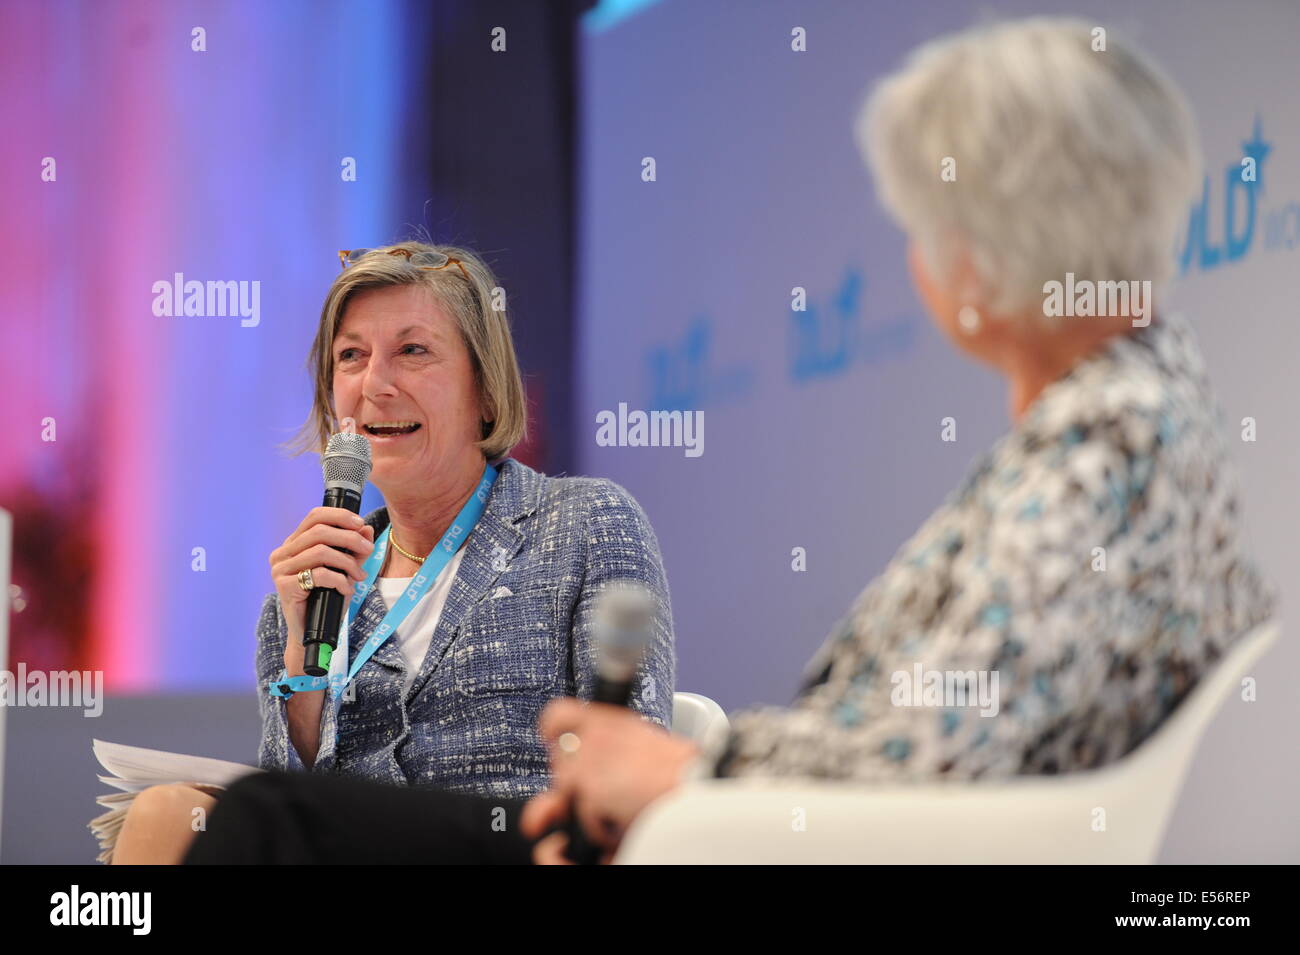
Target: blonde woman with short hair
x=413 y=350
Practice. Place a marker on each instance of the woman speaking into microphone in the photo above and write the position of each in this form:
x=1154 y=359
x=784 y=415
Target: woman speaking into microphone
x=476 y=580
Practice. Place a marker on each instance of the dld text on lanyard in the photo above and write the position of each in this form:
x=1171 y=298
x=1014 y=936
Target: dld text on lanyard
x=456 y=535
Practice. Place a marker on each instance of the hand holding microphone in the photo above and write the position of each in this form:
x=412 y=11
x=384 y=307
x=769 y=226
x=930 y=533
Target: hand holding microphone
x=329 y=545
x=624 y=628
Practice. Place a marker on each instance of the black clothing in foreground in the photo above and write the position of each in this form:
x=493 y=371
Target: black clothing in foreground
x=278 y=818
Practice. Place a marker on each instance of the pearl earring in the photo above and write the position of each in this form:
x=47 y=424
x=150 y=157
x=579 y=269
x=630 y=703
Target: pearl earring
x=969 y=319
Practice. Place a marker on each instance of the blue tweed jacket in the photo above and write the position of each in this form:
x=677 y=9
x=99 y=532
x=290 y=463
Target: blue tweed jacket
x=515 y=631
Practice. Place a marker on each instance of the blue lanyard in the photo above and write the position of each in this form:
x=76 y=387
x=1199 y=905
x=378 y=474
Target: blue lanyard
x=430 y=570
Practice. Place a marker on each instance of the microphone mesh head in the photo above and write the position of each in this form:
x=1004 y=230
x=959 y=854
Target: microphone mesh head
x=624 y=628
x=346 y=461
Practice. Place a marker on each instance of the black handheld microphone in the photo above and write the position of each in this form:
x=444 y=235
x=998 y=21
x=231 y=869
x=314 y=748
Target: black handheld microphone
x=346 y=465
x=623 y=630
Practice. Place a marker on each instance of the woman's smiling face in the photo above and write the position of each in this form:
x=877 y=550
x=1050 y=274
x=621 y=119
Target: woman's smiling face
x=402 y=372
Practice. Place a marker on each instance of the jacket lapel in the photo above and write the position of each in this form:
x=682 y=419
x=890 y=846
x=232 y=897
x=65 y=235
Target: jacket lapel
x=493 y=543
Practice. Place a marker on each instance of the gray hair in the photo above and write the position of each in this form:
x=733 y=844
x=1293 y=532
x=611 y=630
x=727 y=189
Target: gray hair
x=1067 y=160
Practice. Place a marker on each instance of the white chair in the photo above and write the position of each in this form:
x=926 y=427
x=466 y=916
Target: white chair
x=1114 y=815
x=697 y=717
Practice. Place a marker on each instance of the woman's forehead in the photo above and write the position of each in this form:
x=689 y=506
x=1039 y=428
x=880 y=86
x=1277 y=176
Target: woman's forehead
x=393 y=312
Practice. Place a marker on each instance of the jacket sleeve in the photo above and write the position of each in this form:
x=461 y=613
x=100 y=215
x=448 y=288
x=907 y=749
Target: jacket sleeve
x=621 y=545
x=276 y=751
x=996 y=595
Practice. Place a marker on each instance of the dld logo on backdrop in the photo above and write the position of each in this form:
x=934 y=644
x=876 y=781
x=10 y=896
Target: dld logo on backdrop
x=826 y=337
x=1243 y=188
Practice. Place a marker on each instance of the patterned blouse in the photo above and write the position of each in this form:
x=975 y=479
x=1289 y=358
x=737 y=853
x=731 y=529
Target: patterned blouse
x=1085 y=575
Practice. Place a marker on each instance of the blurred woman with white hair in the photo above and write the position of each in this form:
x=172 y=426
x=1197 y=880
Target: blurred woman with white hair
x=1090 y=560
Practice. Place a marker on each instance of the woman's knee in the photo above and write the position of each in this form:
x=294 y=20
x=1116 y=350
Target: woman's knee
x=160 y=823
x=168 y=801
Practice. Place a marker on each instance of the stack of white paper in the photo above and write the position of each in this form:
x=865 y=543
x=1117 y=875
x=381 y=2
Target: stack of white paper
x=135 y=768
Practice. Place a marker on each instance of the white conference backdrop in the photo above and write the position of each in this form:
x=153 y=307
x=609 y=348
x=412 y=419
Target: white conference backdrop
x=822 y=429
